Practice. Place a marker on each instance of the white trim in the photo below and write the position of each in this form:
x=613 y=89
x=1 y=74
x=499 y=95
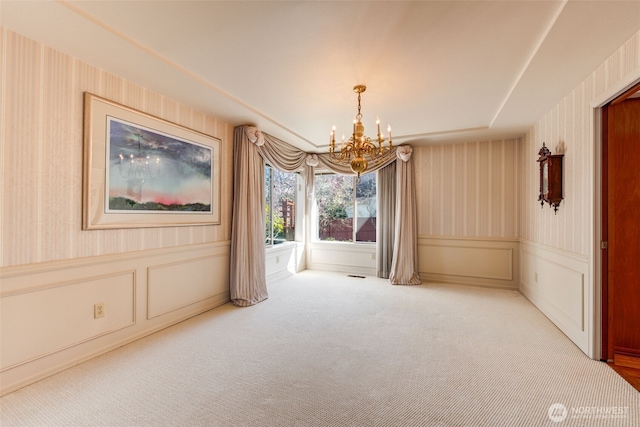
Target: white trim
x=469 y=238
x=617 y=89
x=65 y=264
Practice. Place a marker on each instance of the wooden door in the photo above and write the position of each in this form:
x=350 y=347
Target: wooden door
x=621 y=231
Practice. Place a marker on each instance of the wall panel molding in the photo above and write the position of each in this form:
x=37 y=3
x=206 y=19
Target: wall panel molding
x=46 y=311
x=168 y=291
x=482 y=261
x=344 y=257
x=555 y=281
x=41 y=316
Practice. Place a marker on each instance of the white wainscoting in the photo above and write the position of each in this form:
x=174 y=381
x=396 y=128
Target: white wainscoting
x=491 y=262
x=556 y=281
x=47 y=310
x=359 y=258
x=283 y=260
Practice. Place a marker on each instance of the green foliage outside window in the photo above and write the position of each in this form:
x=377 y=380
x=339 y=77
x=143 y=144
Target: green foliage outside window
x=340 y=209
x=280 y=190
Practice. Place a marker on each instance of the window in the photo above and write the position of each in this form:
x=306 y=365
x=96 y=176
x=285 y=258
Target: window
x=280 y=201
x=346 y=208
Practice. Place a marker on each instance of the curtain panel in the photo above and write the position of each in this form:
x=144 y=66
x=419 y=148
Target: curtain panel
x=386 y=219
x=247 y=273
x=404 y=267
x=247 y=260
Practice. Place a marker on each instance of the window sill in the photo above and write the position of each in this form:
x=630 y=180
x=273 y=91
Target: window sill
x=282 y=246
x=331 y=242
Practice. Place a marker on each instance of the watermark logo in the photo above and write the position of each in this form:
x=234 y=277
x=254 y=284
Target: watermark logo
x=557 y=412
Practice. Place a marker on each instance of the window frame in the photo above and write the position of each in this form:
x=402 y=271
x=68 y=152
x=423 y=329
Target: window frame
x=315 y=214
x=298 y=211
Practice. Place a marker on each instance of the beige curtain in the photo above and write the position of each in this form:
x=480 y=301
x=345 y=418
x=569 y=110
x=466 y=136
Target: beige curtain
x=404 y=267
x=279 y=154
x=283 y=156
x=247 y=259
x=247 y=275
x=386 y=219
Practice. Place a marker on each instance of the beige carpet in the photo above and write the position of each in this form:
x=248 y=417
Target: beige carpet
x=328 y=350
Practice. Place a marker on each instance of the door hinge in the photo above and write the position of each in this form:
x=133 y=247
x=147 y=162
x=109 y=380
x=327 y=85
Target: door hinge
x=604 y=245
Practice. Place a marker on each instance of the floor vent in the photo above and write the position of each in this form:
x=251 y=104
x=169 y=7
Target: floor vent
x=353 y=275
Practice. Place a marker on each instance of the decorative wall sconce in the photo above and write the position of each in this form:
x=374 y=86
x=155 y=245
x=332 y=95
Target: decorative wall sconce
x=550 y=178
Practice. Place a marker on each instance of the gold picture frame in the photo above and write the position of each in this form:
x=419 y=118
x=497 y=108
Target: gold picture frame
x=142 y=171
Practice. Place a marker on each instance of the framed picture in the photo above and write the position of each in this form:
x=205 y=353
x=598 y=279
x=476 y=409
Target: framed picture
x=142 y=171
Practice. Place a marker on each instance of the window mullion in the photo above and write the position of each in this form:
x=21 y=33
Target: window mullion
x=355 y=209
x=271 y=205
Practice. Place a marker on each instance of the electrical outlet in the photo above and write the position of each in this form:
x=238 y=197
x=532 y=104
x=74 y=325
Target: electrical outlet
x=98 y=310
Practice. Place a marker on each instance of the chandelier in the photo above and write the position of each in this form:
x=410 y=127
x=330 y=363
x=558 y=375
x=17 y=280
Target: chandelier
x=360 y=147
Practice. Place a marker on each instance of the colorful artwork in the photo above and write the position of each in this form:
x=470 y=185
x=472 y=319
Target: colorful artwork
x=152 y=171
x=142 y=171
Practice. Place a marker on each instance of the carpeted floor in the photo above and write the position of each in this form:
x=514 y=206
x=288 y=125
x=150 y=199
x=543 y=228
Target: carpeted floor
x=329 y=350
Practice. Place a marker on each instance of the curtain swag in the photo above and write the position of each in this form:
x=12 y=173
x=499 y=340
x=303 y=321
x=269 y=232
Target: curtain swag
x=312 y=160
x=252 y=148
x=404 y=152
x=254 y=135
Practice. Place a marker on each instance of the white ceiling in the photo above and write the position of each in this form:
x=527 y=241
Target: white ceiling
x=435 y=70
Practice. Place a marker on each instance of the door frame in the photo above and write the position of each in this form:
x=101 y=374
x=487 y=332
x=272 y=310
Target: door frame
x=599 y=342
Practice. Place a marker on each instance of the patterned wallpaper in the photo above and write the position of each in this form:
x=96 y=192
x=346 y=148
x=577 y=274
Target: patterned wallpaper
x=468 y=189
x=41 y=105
x=478 y=189
x=568 y=128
